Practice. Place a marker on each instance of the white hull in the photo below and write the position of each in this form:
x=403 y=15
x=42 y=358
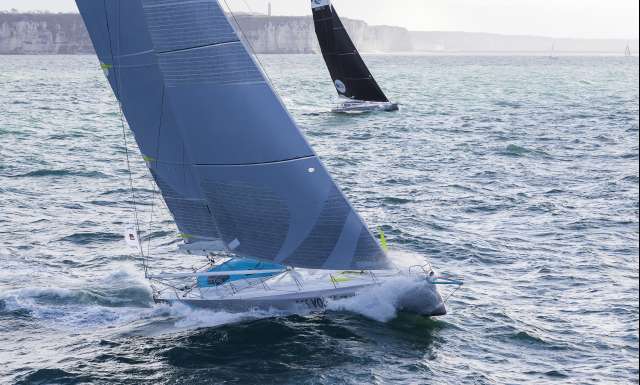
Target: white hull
x=358 y=106
x=304 y=291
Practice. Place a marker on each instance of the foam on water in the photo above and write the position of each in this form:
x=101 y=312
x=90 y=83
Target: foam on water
x=65 y=308
x=380 y=303
x=116 y=298
x=120 y=299
x=191 y=318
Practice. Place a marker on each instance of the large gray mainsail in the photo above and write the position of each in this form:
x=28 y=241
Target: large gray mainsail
x=127 y=57
x=224 y=151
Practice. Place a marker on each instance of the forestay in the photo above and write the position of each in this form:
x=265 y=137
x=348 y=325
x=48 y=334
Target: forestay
x=227 y=156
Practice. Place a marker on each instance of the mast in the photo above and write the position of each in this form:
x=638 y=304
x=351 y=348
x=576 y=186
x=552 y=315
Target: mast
x=230 y=161
x=349 y=73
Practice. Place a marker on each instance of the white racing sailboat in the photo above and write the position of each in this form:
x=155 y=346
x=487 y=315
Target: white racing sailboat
x=243 y=185
x=349 y=73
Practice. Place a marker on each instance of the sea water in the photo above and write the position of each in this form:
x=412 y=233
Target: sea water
x=518 y=173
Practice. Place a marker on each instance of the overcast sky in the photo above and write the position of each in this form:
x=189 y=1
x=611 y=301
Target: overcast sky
x=557 y=18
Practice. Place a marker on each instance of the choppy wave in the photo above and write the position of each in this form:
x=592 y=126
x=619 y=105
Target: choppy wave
x=518 y=151
x=119 y=297
x=53 y=376
x=189 y=318
x=60 y=173
x=87 y=238
x=529 y=191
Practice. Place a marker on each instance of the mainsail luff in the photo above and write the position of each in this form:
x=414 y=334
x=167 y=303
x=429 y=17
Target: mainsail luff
x=125 y=54
x=350 y=75
x=189 y=86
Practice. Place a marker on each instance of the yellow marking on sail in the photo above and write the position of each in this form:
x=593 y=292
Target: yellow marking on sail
x=148 y=159
x=383 y=240
x=185 y=236
x=106 y=66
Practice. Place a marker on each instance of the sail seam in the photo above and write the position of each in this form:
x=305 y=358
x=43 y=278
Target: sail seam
x=260 y=163
x=198 y=47
x=168 y=4
x=135 y=54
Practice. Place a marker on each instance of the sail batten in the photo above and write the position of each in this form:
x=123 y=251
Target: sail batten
x=258 y=164
x=199 y=46
x=230 y=162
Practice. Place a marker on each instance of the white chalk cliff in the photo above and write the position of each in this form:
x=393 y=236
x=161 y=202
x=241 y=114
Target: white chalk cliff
x=43 y=33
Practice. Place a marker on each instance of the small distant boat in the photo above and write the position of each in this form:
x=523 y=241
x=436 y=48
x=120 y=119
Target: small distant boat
x=627 y=51
x=552 y=54
x=349 y=73
x=247 y=192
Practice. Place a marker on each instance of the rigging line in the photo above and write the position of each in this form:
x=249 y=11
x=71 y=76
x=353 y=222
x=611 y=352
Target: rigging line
x=264 y=71
x=124 y=131
x=154 y=185
x=245 y=4
x=145 y=259
x=446 y=301
x=248 y=6
x=198 y=47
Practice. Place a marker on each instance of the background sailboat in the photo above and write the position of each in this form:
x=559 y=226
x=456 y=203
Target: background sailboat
x=235 y=171
x=552 y=52
x=350 y=75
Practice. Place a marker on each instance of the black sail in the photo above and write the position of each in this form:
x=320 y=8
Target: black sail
x=349 y=73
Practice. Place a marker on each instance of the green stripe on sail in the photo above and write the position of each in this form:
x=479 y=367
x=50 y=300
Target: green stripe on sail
x=383 y=240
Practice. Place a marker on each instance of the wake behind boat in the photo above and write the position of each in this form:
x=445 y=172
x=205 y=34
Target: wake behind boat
x=245 y=189
x=349 y=73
